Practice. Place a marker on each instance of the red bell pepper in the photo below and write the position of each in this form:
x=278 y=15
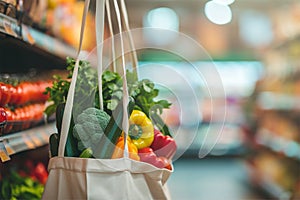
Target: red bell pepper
x=163 y=145
x=147 y=155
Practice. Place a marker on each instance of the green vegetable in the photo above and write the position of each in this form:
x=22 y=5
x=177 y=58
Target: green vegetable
x=89 y=128
x=113 y=131
x=15 y=187
x=71 y=149
x=59 y=116
x=86 y=88
x=87 y=153
x=53 y=143
x=155 y=113
x=143 y=92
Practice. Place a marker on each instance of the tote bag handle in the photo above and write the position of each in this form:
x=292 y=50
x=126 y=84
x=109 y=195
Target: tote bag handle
x=100 y=14
x=66 y=120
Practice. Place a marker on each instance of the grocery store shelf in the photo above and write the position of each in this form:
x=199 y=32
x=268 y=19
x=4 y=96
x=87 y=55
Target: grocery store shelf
x=47 y=43
x=25 y=140
x=288 y=148
x=267 y=185
x=274 y=189
x=32 y=47
x=9 y=26
x=278 y=101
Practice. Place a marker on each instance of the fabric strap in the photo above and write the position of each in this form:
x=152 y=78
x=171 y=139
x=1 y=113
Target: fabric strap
x=100 y=5
x=70 y=97
x=125 y=122
x=100 y=15
x=111 y=31
x=127 y=29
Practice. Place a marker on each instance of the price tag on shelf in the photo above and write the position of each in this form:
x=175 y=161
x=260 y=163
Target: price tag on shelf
x=28 y=142
x=4 y=156
x=27 y=35
x=9 y=29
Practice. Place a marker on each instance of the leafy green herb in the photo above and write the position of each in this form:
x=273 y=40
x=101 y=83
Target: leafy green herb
x=143 y=92
x=16 y=187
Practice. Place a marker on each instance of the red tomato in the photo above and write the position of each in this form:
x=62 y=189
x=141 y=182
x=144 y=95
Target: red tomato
x=3 y=117
x=5 y=94
x=10 y=118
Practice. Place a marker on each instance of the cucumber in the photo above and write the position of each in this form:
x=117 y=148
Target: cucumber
x=87 y=153
x=71 y=149
x=113 y=131
x=59 y=115
x=53 y=143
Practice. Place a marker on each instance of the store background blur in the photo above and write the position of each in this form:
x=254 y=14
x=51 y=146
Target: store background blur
x=254 y=46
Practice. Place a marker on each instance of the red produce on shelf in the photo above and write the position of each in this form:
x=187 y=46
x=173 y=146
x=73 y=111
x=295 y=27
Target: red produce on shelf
x=24 y=117
x=23 y=93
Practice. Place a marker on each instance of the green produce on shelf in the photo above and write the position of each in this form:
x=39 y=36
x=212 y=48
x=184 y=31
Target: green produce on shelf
x=22 y=185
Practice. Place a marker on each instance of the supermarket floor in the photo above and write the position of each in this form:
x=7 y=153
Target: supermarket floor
x=211 y=179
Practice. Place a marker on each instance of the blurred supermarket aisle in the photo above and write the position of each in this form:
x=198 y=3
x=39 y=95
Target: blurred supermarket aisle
x=212 y=179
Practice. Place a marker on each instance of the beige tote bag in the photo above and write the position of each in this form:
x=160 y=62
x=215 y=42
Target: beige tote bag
x=107 y=179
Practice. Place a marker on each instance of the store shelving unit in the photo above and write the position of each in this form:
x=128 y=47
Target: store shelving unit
x=31 y=47
x=275 y=134
x=22 y=48
x=25 y=140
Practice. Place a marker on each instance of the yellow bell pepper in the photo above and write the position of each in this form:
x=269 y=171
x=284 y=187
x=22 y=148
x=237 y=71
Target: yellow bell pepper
x=119 y=149
x=141 y=130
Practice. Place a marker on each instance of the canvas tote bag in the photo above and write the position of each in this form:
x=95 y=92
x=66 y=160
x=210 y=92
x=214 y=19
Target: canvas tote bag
x=107 y=179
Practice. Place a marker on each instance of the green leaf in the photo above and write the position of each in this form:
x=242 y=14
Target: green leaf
x=164 y=103
x=108 y=76
x=50 y=110
x=131 y=77
x=112 y=104
x=117 y=94
x=146 y=87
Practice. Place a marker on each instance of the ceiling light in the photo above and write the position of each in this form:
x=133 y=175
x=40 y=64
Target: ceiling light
x=218 y=13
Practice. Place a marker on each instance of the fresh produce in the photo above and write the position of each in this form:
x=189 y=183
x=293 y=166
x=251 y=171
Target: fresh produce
x=156 y=119
x=88 y=139
x=23 y=93
x=71 y=149
x=119 y=149
x=25 y=183
x=112 y=131
x=163 y=145
x=53 y=143
x=147 y=155
x=3 y=117
x=24 y=117
x=87 y=153
x=89 y=128
x=141 y=129
x=22 y=101
x=86 y=88
x=143 y=91
x=17 y=187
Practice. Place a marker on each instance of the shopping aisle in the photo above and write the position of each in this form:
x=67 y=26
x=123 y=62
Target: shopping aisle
x=211 y=179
